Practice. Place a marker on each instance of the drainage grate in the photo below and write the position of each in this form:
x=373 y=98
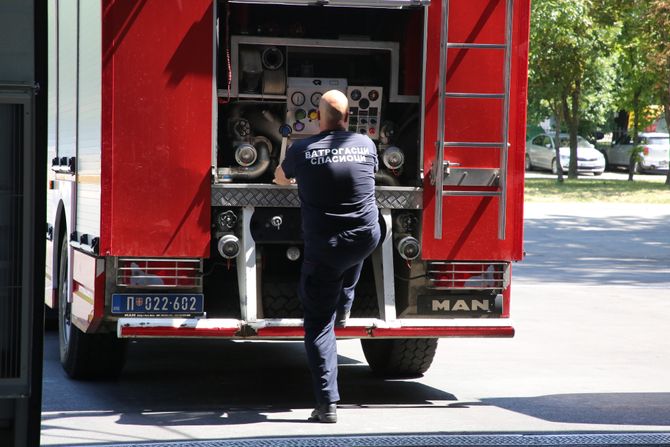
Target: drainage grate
x=618 y=439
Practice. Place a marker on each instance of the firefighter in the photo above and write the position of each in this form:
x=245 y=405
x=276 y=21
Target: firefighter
x=335 y=173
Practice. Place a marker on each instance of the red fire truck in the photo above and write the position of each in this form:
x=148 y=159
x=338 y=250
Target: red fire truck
x=168 y=117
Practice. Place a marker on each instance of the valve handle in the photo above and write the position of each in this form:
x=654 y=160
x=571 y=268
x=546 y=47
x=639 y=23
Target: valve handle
x=285 y=131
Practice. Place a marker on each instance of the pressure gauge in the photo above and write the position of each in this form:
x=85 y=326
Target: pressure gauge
x=316 y=97
x=298 y=98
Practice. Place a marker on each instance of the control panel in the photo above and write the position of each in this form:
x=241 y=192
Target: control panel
x=365 y=106
x=302 y=102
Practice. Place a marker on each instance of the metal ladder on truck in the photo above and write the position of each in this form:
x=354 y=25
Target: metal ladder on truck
x=476 y=177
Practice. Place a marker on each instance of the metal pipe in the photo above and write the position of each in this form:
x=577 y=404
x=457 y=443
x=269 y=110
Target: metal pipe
x=471 y=193
x=504 y=150
x=422 y=102
x=235 y=173
x=385 y=178
x=472 y=46
x=439 y=144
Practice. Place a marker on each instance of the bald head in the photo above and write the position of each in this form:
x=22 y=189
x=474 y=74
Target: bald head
x=333 y=111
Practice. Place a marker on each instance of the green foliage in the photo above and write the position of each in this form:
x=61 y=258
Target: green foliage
x=570 y=62
x=635 y=77
x=600 y=56
x=592 y=58
x=570 y=55
x=657 y=20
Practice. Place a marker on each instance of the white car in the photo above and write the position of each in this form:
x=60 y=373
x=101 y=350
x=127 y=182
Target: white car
x=540 y=153
x=654 y=156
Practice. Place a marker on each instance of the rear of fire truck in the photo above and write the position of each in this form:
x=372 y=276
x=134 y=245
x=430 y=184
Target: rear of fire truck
x=168 y=118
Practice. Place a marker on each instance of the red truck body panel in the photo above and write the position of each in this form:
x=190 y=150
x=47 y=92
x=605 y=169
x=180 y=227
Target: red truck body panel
x=157 y=84
x=470 y=224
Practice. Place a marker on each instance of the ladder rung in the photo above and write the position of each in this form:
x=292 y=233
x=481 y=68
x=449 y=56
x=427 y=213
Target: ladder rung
x=471 y=193
x=472 y=144
x=478 y=46
x=475 y=95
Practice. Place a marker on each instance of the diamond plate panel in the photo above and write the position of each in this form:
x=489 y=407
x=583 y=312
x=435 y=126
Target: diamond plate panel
x=258 y=196
x=271 y=196
x=399 y=198
x=417 y=440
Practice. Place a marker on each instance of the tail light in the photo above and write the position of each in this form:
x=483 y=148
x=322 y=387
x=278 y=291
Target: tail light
x=159 y=273
x=645 y=150
x=468 y=275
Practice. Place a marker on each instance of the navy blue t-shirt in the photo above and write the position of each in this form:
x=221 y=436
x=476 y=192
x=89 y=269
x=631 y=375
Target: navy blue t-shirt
x=335 y=171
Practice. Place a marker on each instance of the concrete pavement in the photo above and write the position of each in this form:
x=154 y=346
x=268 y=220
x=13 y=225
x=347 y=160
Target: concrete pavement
x=591 y=304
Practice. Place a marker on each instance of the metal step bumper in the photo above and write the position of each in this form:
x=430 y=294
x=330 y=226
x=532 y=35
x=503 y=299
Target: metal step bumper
x=293 y=328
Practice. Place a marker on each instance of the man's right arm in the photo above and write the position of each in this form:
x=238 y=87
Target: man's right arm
x=285 y=172
x=281 y=179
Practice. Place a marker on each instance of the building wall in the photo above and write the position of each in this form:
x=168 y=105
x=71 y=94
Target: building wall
x=19 y=398
x=16 y=41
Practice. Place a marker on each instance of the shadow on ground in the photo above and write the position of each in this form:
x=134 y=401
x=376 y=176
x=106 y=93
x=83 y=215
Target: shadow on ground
x=208 y=382
x=647 y=409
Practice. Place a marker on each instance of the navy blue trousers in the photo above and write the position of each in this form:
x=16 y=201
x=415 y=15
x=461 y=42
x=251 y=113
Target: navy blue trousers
x=330 y=271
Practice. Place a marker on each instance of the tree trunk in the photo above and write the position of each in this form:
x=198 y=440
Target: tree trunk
x=572 y=172
x=574 y=127
x=621 y=126
x=557 y=144
x=572 y=118
x=634 y=153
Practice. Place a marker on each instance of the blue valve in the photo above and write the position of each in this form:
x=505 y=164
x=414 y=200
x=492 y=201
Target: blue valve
x=285 y=130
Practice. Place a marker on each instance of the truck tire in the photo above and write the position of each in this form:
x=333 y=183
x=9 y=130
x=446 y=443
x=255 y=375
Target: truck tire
x=399 y=357
x=365 y=301
x=84 y=356
x=280 y=300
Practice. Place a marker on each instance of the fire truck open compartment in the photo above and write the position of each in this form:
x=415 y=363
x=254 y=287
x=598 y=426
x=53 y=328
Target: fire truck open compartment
x=270 y=59
x=273 y=63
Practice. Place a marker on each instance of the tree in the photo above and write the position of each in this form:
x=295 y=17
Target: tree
x=658 y=22
x=635 y=76
x=570 y=62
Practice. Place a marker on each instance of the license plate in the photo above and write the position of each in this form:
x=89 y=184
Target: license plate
x=157 y=304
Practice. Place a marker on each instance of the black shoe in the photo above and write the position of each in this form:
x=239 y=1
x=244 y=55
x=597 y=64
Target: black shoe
x=324 y=413
x=341 y=318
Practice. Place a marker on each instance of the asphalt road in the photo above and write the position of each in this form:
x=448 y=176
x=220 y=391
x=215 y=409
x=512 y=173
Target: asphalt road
x=591 y=304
